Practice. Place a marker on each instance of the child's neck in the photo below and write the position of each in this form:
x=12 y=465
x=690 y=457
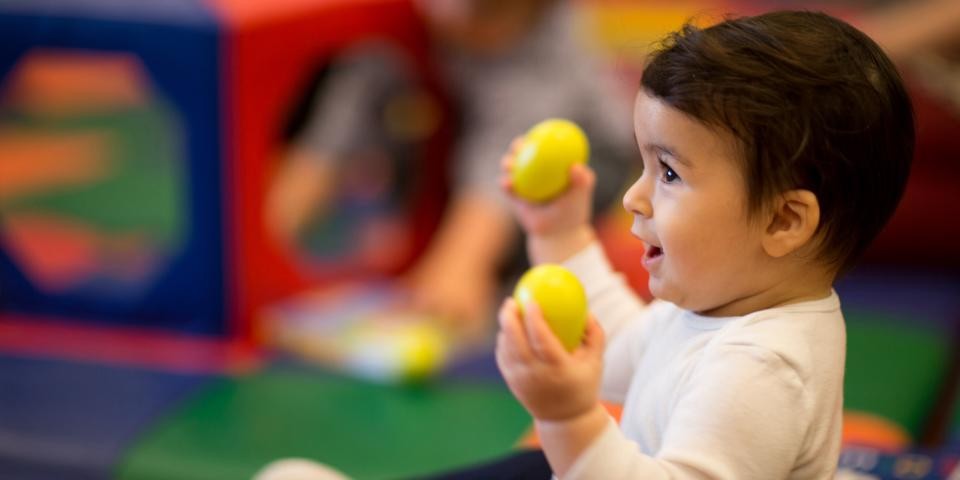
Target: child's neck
x=780 y=290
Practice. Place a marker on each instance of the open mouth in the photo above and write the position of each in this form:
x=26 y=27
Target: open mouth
x=653 y=252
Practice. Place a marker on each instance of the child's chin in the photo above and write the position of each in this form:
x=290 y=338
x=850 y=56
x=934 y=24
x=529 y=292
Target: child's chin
x=658 y=290
x=662 y=291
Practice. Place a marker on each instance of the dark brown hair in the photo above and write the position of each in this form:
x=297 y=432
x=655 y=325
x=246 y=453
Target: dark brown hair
x=813 y=103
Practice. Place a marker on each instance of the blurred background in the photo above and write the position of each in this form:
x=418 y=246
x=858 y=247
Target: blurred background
x=233 y=231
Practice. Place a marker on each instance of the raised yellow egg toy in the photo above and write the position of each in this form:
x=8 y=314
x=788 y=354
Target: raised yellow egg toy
x=561 y=298
x=542 y=165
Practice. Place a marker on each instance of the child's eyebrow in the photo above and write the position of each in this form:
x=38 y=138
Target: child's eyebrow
x=671 y=152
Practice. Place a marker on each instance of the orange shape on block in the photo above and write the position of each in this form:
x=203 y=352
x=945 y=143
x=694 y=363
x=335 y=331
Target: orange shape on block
x=55 y=82
x=55 y=252
x=32 y=162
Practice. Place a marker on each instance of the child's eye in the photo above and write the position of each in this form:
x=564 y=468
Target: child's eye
x=668 y=176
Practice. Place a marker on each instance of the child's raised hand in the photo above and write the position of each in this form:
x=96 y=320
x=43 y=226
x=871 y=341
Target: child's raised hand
x=560 y=227
x=567 y=212
x=551 y=383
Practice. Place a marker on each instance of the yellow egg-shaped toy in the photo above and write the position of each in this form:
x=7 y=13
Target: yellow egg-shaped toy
x=560 y=297
x=542 y=165
x=424 y=352
x=404 y=350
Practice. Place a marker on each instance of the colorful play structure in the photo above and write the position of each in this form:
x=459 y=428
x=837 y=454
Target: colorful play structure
x=137 y=142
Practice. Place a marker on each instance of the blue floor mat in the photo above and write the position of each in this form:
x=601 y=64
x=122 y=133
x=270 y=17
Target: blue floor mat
x=68 y=420
x=925 y=298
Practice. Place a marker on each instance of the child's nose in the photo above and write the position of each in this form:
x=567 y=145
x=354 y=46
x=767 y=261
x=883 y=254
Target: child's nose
x=637 y=199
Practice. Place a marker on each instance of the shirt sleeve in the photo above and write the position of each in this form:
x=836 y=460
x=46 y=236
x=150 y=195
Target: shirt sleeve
x=619 y=311
x=741 y=415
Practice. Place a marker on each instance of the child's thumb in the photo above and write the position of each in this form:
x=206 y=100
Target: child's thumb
x=582 y=176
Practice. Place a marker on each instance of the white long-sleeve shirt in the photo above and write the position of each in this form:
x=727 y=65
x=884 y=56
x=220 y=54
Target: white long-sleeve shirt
x=752 y=397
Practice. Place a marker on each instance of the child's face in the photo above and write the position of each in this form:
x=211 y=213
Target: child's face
x=689 y=209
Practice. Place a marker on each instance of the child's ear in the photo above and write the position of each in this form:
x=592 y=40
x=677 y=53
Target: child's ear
x=792 y=223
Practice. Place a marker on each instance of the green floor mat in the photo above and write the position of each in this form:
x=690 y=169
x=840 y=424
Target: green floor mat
x=234 y=427
x=894 y=369
x=953 y=427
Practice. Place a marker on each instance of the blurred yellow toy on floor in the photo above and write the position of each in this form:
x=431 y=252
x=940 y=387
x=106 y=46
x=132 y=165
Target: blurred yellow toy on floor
x=359 y=329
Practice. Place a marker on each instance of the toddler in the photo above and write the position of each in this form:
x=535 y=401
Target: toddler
x=774 y=148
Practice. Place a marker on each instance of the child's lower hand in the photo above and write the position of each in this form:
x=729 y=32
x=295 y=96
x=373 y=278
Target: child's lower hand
x=558 y=228
x=551 y=383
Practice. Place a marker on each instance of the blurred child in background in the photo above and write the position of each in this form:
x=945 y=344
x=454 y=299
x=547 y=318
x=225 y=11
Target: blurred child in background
x=908 y=30
x=507 y=64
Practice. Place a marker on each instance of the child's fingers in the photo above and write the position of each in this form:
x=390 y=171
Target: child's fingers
x=543 y=343
x=594 y=338
x=512 y=339
x=508 y=310
x=508 y=160
x=500 y=353
x=515 y=145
